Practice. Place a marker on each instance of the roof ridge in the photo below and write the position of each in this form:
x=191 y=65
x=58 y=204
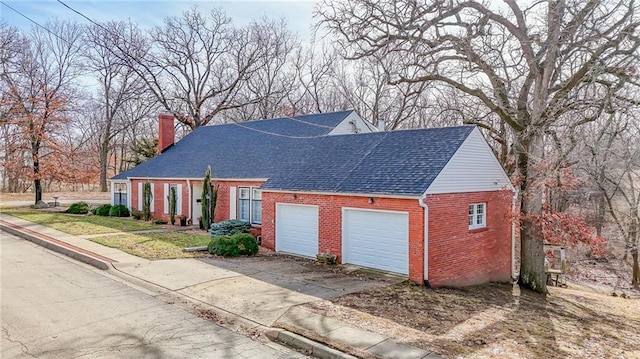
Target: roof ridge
x=308 y=123
x=339 y=183
x=277 y=134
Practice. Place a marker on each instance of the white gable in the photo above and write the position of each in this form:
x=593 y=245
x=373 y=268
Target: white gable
x=473 y=168
x=352 y=124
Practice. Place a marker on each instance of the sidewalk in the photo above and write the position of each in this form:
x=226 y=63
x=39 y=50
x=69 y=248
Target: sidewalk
x=258 y=305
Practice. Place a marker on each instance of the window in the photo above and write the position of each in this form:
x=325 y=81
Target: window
x=477 y=215
x=244 y=204
x=256 y=206
x=120 y=193
x=250 y=205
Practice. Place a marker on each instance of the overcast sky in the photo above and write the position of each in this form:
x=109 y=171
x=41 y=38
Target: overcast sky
x=297 y=13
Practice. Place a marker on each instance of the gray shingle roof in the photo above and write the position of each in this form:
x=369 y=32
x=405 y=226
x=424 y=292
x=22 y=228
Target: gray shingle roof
x=300 y=126
x=402 y=162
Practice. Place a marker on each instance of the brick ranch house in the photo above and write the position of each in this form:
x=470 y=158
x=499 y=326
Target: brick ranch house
x=432 y=204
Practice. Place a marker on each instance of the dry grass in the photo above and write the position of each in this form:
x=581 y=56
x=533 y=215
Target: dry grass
x=491 y=322
x=167 y=245
x=48 y=196
x=79 y=224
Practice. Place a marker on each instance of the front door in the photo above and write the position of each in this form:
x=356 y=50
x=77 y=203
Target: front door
x=195 y=202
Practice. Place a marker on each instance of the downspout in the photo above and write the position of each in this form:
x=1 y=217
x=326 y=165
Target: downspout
x=514 y=208
x=190 y=201
x=426 y=239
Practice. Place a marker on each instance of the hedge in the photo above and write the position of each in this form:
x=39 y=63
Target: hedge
x=234 y=245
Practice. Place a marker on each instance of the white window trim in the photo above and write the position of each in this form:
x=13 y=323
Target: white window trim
x=167 y=191
x=475 y=214
x=256 y=195
x=241 y=199
x=233 y=203
x=251 y=200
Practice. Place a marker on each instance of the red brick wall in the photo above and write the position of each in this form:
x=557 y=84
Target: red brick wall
x=222 y=204
x=459 y=256
x=330 y=222
x=159 y=196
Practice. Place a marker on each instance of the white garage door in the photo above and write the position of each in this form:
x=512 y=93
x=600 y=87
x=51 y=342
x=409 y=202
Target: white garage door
x=376 y=239
x=297 y=229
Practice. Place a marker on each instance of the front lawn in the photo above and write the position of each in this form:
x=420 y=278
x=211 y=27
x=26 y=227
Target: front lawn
x=79 y=224
x=167 y=245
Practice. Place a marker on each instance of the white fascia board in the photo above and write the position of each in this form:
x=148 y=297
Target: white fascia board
x=164 y=178
x=197 y=179
x=378 y=195
x=239 y=179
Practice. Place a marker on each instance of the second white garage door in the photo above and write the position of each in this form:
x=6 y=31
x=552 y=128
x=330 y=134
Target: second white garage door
x=376 y=239
x=297 y=229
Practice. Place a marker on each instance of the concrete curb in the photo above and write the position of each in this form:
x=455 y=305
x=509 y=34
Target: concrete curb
x=314 y=349
x=59 y=248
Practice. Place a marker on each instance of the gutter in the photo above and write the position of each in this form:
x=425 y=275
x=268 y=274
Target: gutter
x=426 y=239
x=325 y=193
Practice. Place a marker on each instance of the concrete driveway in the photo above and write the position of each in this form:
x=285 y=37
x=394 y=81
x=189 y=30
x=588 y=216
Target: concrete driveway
x=260 y=289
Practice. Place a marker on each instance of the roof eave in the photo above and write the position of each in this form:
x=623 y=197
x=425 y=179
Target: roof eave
x=350 y=194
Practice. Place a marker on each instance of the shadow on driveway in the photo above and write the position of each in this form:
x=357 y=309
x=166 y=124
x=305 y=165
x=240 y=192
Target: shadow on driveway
x=306 y=276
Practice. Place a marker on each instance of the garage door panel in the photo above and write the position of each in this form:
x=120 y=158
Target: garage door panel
x=297 y=229
x=376 y=239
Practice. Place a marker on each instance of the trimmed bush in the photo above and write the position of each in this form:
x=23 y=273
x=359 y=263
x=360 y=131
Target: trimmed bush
x=224 y=246
x=78 y=208
x=136 y=214
x=159 y=221
x=103 y=210
x=119 y=211
x=233 y=246
x=230 y=227
x=247 y=243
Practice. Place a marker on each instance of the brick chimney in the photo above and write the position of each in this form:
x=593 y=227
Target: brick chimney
x=166 y=132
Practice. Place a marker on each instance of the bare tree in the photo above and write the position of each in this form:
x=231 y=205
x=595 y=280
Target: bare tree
x=613 y=165
x=140 y=131
x=118 y=84
x=195 y=64
x=264 y=94
x=533 y=65
x=314 y=71
x=365 y=85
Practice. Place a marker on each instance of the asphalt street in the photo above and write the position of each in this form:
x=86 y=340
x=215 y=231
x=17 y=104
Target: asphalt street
x=54 y=307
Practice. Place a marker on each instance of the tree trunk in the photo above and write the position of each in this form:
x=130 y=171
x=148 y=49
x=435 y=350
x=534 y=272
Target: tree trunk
x=633 y=238
x=635 y=279
x=600 y=212
x=532 y=273
x=37 y=183
x=104 y=160
x=600 y=204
